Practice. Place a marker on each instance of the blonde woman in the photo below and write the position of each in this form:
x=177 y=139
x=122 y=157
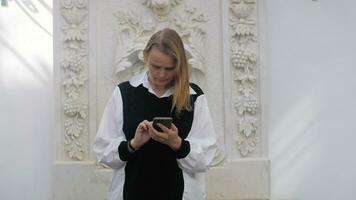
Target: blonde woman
x=169 y=163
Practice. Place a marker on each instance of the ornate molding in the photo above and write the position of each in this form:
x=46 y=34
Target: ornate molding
x=244 y=63
x=74 y=63
x=161 y=8
x=134 y=32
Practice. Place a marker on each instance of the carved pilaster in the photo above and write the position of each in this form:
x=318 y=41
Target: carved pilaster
x=74 y=63
x=244 y=62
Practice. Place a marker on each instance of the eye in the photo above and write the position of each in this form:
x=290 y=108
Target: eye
x=155 y=66
x=169 y=68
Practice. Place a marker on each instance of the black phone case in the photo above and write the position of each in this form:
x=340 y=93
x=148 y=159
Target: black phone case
x=166 y=122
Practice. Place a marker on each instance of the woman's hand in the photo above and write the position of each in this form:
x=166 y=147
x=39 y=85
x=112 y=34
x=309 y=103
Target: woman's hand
x=141 y=135
x=168 y=136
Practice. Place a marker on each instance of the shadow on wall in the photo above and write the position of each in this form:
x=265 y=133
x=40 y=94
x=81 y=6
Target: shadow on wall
x=42 y=75
x=26 y=43
x=307 y=139
x=30 y=10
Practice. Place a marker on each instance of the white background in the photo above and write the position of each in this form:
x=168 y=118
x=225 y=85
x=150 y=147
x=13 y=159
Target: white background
x=310 y=103
x=309 y=99
x=26 y=100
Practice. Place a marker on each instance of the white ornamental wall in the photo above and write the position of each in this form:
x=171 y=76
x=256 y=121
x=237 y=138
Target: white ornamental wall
x=99 y=43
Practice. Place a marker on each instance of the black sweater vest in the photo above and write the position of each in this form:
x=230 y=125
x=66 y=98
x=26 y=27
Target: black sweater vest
x=152 y=171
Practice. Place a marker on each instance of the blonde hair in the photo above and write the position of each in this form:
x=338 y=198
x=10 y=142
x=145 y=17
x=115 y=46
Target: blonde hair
x=169 y=42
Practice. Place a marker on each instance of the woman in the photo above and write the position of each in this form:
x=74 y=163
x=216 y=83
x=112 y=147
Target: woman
x=151 y=164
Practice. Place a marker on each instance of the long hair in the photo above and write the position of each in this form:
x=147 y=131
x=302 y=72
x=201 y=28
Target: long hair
x=169 y=42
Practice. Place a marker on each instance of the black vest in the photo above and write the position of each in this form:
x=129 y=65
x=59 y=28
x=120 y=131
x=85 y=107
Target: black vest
x=152 y=171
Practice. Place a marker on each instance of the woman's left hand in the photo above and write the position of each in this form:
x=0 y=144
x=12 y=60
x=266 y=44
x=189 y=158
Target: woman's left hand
x=168 y=136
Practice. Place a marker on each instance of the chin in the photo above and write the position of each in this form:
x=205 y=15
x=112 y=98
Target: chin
x=158 y=82
x=163 y=84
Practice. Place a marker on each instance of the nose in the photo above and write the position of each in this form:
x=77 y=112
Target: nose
x=162 y=73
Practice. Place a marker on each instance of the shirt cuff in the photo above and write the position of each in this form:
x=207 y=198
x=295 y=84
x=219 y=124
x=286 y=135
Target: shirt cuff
x=124 y=153
x=184 y=149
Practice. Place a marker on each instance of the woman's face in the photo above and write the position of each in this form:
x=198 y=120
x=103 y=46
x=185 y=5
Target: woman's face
x=161 y=69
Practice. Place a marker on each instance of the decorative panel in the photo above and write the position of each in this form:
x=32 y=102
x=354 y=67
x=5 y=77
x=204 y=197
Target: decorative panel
x=100 y=44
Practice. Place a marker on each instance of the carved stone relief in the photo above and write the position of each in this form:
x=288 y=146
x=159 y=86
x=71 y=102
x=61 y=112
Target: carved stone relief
x=124 y=59
x=135 y=31
x=161 y=8
x=74 y=63
x=244 y=63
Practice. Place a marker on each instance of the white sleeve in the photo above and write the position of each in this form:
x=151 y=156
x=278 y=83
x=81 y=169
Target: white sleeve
x=110 y=134
x=202 y=139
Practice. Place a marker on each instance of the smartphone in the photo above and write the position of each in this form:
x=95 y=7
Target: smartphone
x=165 y=121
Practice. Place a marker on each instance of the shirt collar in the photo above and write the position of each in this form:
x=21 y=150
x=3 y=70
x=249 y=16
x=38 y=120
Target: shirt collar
x=142 y=78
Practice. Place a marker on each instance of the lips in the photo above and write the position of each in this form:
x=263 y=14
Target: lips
x=161 y=80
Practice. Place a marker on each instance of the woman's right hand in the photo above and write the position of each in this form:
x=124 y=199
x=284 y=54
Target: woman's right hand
x=141 y=135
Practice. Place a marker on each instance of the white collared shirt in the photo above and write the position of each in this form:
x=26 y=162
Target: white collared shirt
x=143 y=79
x=202 y=139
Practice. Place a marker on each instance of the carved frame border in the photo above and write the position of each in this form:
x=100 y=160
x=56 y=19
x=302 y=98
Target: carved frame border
x=74 y=65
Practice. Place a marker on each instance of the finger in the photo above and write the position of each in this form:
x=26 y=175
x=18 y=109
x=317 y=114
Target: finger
x=157 y=134
x=151 y=131
x=142 y=126
x=163 y=127
x=155 y=130
x=145 y=124
x=160 y=139
x=161 y=135
x=149 y=124
x=174 y=128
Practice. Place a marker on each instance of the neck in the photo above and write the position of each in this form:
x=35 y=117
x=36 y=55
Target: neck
x=158 y=90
